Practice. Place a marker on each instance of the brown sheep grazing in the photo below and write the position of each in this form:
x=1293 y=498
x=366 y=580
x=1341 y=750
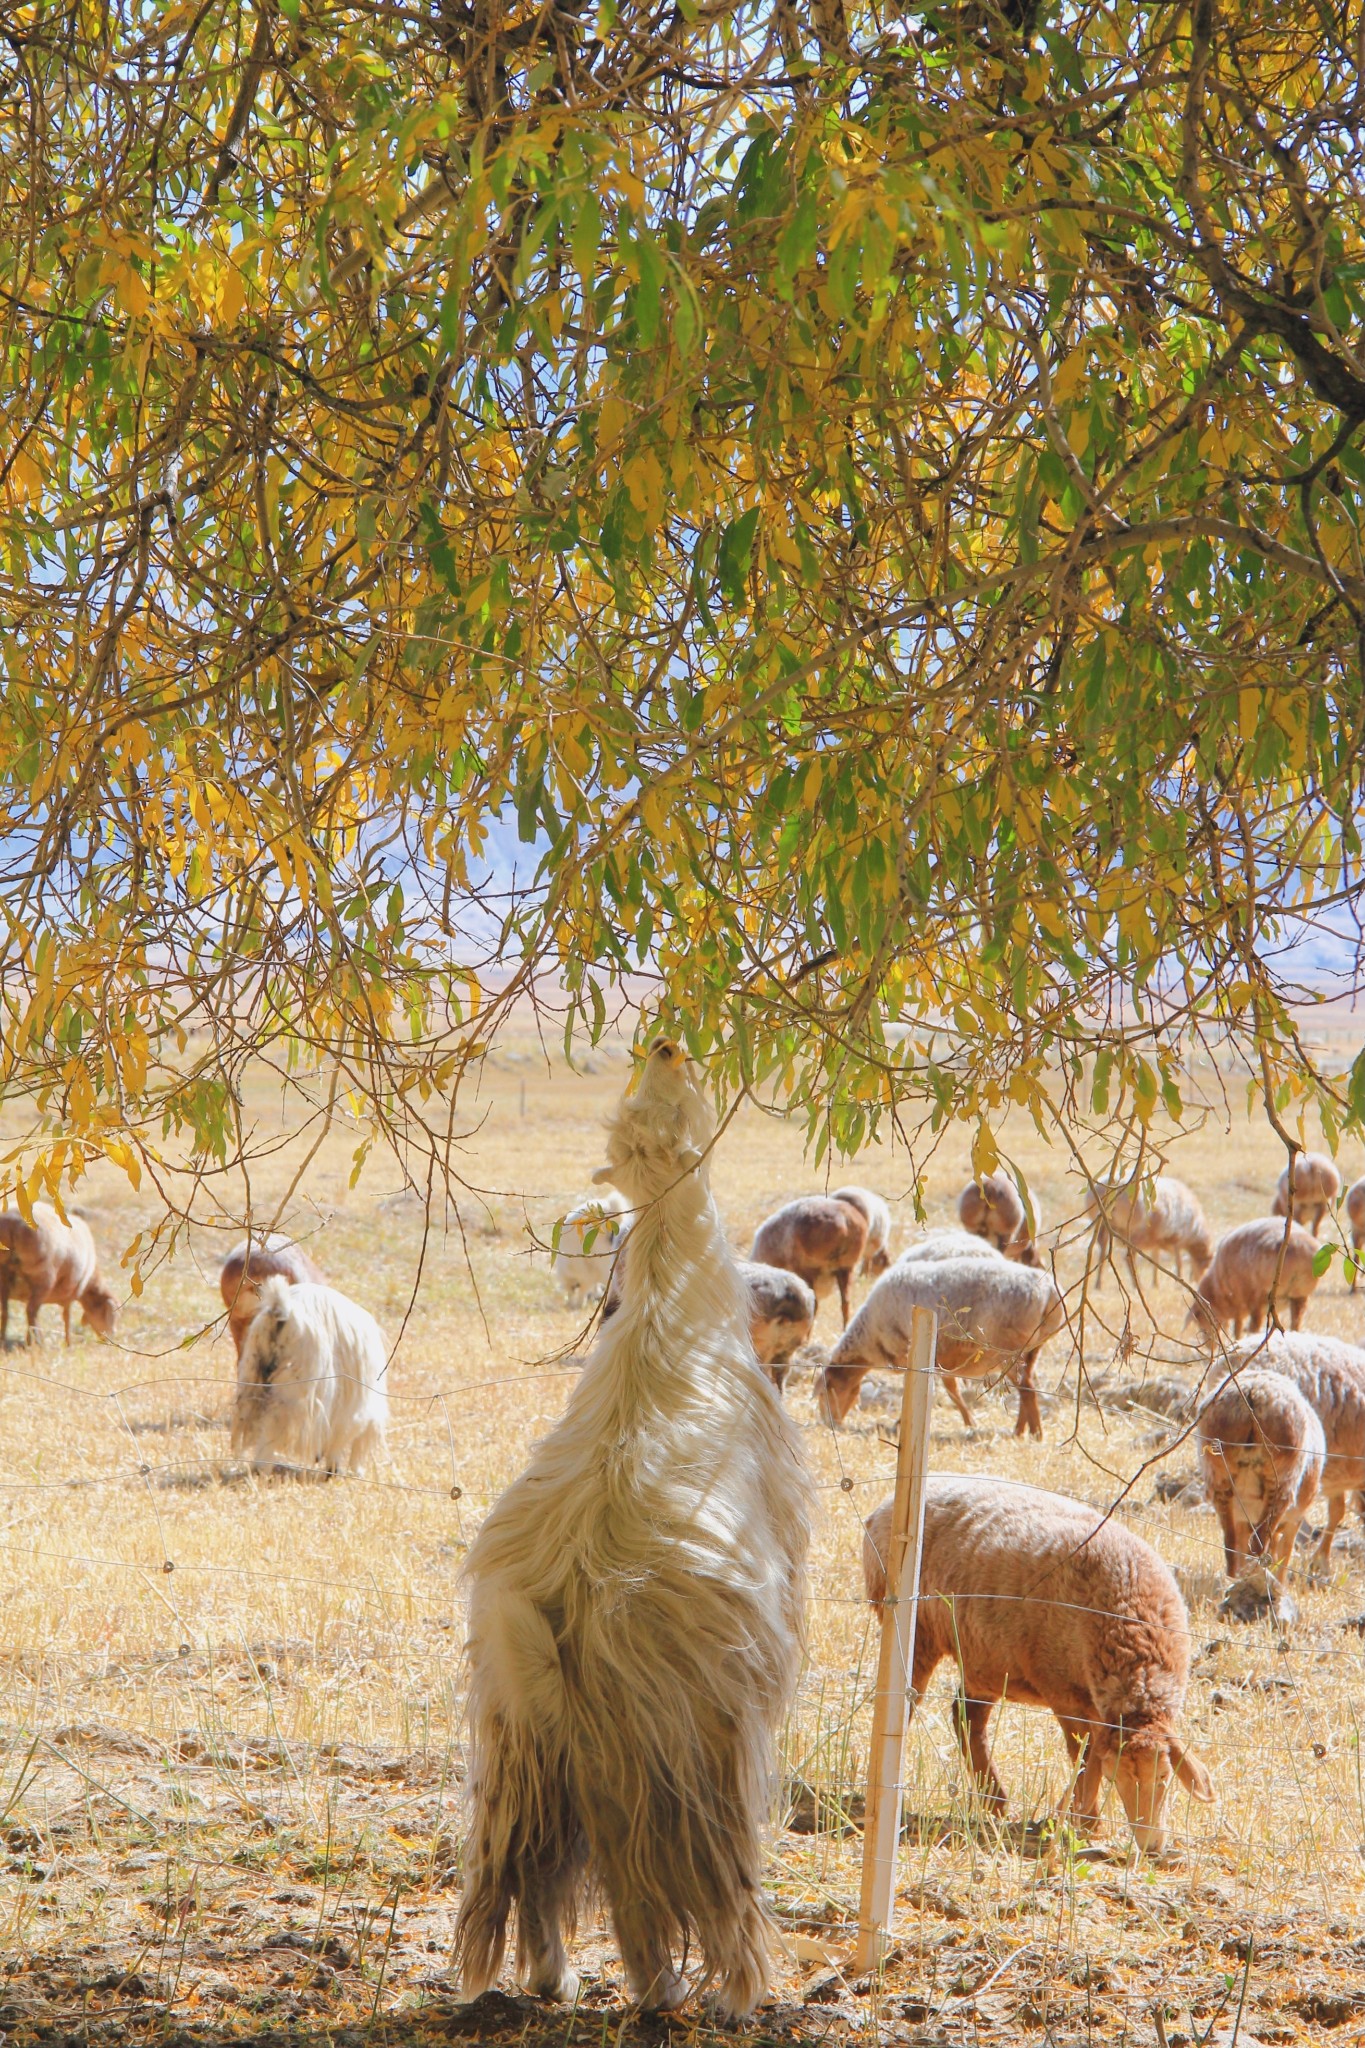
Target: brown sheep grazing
x=993 y=1208
x=51 y=1261
x=1249 y=1264
x=1042 y=1600
x=1316 y=1187
x=877 y=1251
x=1355 y=1216
x=1156 y=1216
x=247 y=1266
x=1330 y=1375
x=1262 y=1450
x=819 y=1239
x=993 y=1319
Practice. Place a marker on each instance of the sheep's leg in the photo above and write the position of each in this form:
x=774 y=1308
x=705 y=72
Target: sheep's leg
x=954 y=1393
x=1231 y=1556
x=1030 y=1416
x=843 y=1276
x=1083 y=1794
x=1280 y=1542
x=545 y=1908
x=971 y=1718
x=33 y=1306
x=1357 y=1240
x=1296 y=1309
x=1336 y=1514
x=66 y=1322
x=4 y=1313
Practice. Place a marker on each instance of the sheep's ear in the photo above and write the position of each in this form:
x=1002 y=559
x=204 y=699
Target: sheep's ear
x=605 y=1176
x=1192 y=1773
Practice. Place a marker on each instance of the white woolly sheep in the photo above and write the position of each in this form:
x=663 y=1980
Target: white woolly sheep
x=1262 y=1449
x=993 y=1208
x=1316 y=1187
x=1355 y=1216
x=589 y=1238
x=817 y=1237
x=1330 y=1374
x=993 y=1319
x=1152 y=1216
x=1040 y=1599
x=246 y=1266
x=636 y=1613
x=310 y=1379
x=51 y=1261
x=933 y=1247
x=877 y=1211
x=1250 y=1264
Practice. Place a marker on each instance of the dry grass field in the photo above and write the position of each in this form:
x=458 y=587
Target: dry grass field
x=230 y=1757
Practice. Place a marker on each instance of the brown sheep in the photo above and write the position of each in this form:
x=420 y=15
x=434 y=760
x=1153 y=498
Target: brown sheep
x=247 y=1266
x=1248 y=1263
x=877 y=1252
x=51 y=1261
x=993 y=1318
x=993 y=1208
x=1161 y=1215
x=1330 y=1375
x=818 y=1238
x=1316 y=1187
x=1262 y=1449
x=1041 y=1599
x=1355 y=1216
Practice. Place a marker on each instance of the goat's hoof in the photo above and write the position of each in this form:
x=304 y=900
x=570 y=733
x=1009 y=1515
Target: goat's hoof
x=560 y=1987
x=667 y=1992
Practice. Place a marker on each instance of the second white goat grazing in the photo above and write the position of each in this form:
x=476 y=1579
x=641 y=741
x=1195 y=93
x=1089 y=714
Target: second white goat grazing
x=310 y=1379
x=877 y=1250
x=1250 y=1264
x=1355 y=1216
x=1316 y=1187
x=1263 y=1450
x=993 y=1319
x=1155 y=1216
x=1330 y=1374
x=589 y=1238
x=636 y=1613
x=1041 y=1600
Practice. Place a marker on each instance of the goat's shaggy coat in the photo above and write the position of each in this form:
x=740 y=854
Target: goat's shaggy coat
x=1040 y=1599
x=51 y=1261
x=310 y=1379
x=636 y=1613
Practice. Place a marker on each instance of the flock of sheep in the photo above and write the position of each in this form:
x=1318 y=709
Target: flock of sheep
x=652 y=1516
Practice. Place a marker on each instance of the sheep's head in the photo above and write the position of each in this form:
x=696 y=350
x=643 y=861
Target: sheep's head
x=99 y=1309
x=1144 y=1768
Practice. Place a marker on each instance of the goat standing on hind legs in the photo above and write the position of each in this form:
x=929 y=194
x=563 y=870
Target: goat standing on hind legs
x=636 y=1613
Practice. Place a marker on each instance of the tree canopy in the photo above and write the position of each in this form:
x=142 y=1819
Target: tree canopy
x=872 y=500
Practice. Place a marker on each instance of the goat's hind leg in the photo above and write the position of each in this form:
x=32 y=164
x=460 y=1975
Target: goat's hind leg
x=547 y=1911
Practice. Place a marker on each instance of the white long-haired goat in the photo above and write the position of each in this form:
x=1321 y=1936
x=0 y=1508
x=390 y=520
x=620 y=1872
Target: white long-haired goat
x=636 y=1613
x=310 y=1379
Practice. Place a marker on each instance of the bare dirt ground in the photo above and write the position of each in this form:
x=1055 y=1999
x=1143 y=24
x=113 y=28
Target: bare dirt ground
x=230 y=1745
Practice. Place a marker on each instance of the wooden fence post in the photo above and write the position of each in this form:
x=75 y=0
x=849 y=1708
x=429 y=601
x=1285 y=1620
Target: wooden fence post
x=886 y=1760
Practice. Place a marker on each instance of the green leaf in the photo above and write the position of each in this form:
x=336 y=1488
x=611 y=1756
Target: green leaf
x=733 y=558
